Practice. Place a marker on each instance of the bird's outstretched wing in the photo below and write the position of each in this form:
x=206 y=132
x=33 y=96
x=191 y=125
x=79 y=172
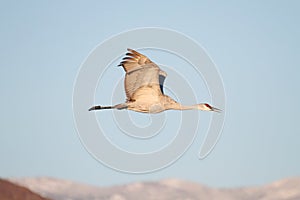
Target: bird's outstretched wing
x=141 y=72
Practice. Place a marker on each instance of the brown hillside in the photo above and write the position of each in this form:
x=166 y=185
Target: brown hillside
x=10 y=191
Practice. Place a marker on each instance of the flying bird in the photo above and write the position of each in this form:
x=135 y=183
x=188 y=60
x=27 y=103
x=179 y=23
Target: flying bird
x=144 y=88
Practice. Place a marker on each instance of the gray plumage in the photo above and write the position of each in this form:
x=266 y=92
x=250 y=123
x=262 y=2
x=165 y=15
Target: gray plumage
x=144 y=87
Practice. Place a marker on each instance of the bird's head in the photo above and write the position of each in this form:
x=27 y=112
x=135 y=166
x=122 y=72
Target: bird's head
x=207 y=107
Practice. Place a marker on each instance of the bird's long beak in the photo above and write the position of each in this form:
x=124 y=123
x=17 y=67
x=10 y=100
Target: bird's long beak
x=216 y=110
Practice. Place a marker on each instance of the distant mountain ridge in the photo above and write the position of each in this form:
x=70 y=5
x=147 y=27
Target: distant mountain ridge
x=56 y=189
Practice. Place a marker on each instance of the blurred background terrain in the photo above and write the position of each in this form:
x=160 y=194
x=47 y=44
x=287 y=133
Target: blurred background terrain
x=168 y=189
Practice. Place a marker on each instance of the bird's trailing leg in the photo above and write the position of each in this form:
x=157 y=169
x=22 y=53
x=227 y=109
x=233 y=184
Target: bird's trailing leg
x=100 y=107
x=118 y=106
x=121 y=106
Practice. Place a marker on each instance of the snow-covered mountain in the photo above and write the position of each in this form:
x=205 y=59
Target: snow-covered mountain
x=57 y=189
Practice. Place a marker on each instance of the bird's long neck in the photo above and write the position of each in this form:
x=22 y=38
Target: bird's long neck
x=178 y=106
x=170 y=104
x=185 y=107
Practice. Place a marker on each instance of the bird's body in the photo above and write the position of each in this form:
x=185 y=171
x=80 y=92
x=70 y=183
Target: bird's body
x=157 y=103
x=144 y=88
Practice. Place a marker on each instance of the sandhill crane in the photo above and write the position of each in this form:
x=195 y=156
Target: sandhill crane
x=144 y=88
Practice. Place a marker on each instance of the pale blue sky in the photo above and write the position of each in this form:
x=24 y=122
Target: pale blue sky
x=254 y=44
